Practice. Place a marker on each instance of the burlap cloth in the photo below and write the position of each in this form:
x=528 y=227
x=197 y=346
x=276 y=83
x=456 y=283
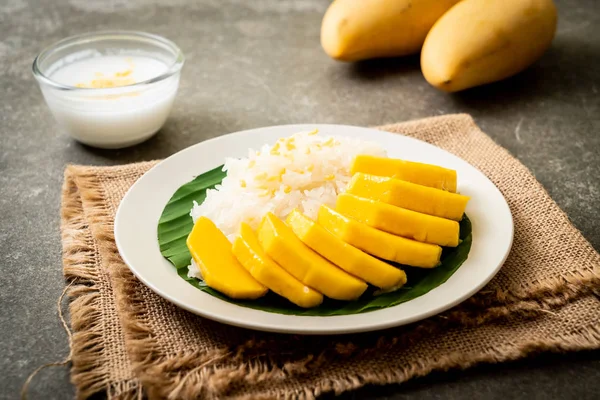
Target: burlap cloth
x=129 y=342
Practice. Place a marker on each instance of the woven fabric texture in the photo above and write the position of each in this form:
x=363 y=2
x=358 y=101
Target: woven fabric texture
x=129 y=342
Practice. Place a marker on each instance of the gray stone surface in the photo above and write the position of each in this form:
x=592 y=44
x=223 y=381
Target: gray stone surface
x=258 y=63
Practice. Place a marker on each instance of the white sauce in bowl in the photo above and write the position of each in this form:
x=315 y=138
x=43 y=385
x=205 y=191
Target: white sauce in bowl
x=122 y=116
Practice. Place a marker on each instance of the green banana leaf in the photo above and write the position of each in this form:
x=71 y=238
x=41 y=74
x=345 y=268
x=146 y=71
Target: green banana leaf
x=175 y=224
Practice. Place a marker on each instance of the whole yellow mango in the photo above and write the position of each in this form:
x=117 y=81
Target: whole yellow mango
x=360 y=29
x=482 y=41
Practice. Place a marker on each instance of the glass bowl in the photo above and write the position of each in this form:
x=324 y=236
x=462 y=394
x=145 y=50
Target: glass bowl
x=110 y=110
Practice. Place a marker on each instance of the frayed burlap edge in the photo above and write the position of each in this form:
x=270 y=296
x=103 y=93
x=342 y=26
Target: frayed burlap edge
x=535 y=288
x=89 y=371
x=587 y=339
x=181 y=377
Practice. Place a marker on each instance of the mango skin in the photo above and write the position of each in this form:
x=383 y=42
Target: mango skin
x=355 y=30
x=482 y=41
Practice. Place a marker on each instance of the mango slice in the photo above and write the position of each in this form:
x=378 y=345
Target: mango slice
x=399 y=221
x=249 y=253
x=345 y=256
x=220 y=269
x=408 y=195
x=280 y=243
x=378 y=243
x=421 y=174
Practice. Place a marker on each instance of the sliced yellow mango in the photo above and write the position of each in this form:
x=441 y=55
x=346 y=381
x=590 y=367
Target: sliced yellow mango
x=220 y=269
x=345 y=256
x=419 y=173
x=249 y=253
x=411 y=196
x=379 y=243
x=399 y=221
x=280 y=243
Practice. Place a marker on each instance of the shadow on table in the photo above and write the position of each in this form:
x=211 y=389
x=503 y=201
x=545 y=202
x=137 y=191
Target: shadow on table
x=167 y=141
x=152 y=149
x=567 y=71
x=181 y=130
x=383 y=68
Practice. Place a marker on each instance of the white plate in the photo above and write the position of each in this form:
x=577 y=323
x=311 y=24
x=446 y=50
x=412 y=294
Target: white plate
x=137 y=219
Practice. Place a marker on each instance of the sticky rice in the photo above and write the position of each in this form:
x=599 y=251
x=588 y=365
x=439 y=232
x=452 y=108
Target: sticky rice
x=302 y=171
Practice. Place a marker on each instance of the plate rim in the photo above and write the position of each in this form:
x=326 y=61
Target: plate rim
x=262 y=326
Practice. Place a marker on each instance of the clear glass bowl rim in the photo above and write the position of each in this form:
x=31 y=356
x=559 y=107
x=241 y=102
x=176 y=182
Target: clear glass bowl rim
x=93 y=36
